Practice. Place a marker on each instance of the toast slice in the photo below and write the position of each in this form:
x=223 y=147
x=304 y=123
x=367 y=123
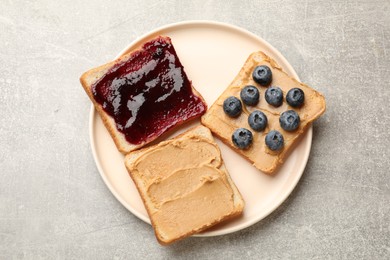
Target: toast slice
x=143 y=94
x=258 y=153
x=184 y=185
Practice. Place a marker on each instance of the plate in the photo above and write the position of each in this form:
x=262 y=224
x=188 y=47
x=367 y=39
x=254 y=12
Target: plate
x=212 y=53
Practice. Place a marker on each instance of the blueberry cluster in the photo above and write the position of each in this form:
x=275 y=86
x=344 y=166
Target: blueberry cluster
x=257 y=120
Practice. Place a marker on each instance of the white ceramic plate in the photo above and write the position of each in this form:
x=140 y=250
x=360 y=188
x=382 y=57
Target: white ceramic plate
x=212 y=54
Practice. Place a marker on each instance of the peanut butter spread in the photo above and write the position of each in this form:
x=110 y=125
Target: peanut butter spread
x=259 y=154
x=184 y=183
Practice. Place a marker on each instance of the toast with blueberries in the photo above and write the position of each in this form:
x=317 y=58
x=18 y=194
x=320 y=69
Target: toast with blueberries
x=263 y=112
x=143 y=94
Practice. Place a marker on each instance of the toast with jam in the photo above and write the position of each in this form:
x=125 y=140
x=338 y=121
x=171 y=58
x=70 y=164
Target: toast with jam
x=143 y=94
x=263 y=112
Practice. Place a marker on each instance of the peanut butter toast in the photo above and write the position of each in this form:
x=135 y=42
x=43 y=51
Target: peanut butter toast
x=184 y=185
x=263 y=112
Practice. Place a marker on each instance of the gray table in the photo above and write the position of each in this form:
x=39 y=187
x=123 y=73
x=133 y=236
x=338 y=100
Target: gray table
x=54 y=204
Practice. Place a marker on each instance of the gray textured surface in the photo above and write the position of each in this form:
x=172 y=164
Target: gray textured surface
x=53 y=203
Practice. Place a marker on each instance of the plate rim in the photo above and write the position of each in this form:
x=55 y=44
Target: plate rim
x=286 y=194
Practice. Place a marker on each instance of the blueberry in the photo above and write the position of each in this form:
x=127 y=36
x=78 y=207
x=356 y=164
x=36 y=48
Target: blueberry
x=232 y=106
x=242 y=138
x=250 y=95
x=295 y=97
x=274 y=96
x=257 y=120
x=262 y=75
x=274 y=140
x=289 y=120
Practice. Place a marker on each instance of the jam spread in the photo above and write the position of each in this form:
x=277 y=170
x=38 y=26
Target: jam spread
x=148 y=93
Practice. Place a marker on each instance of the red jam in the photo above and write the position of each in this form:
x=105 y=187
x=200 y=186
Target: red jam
x=148 y=93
